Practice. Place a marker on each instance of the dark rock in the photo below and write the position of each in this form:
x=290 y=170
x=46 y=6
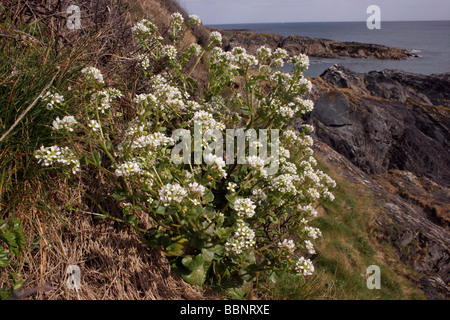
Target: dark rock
x=333 y=110
x=313 y=47
x=393 y=84
x=385 y=130
x=325 y=48
x=419 y=242
x=435 y=288
x=380 y=134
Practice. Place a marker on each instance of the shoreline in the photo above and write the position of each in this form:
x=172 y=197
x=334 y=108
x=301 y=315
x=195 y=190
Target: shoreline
x=313 y=47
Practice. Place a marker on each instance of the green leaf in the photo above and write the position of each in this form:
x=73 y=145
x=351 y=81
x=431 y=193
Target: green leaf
x=4 y=261
x=161 y=210
x=193 y=263
x=96 y=157
x=131 y=220
x=209 y=196
x=177 y=249
x=275 y=277
x=208 y=254
x=196 y=277
x=9 y=238
x=18 y=284
x=120 y=195
x=194 y=212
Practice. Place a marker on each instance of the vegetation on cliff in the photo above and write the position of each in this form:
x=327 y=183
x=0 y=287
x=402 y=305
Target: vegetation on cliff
x=53 y=221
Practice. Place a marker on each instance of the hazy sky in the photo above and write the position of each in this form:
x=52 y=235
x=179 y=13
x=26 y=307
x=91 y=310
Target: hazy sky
x=251 y=11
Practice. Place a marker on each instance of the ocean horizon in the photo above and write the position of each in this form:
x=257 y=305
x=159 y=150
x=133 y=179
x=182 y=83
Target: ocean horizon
x=428 y=39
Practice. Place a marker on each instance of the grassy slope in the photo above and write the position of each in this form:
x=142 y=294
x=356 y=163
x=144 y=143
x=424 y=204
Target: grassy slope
x=348 y=247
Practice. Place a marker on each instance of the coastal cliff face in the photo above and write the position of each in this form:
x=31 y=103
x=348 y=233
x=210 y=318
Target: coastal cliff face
x=391 y=130
x=313 y=47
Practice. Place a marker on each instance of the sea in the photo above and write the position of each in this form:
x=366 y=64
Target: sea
x=430 y=40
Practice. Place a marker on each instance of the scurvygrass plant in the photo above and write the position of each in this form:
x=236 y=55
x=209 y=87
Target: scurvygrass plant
x=218 y=220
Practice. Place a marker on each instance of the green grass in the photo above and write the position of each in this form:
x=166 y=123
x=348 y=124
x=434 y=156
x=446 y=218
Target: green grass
x=345 y=251
x=31 y=64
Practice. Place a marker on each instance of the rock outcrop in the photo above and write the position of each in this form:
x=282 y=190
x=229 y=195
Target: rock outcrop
x=380 y=126
x=313 y=47
x=393 y=84
x=418 y=241
x=390 y=130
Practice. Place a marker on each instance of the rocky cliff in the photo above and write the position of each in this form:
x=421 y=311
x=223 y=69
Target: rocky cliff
x=314 y=47
x=391 y=130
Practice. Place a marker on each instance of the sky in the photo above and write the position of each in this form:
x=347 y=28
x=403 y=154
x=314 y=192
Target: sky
x=255 y=11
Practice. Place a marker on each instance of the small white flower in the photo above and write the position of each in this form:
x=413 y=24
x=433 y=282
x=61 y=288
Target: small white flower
x=94 y=125
x=172 y=192
x=304 y=266
x=169 y=51
x=287 y=245
x=314 y=233
x=195 y=20
x=52 y=99
x=258 y=195
x=93 y=74
x=66 y=123
x=197 y=188
x=244 y=207
x=242 y=239
x=231 y=187
x=215 y=37
x=310 y=247
x=127 y=169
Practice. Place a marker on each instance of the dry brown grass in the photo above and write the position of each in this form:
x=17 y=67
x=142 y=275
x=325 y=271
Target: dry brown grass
x=114 y=263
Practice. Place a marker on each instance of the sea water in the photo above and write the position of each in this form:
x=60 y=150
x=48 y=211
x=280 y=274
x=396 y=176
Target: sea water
x=430 y=40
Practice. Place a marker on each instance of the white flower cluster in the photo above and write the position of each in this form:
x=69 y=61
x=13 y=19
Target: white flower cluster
x=207 y=121
x=153 y=140
x=245 y=207
x=217 y=162
x=144 y=61
x=310 y=247
x=264 y=53
x=166 y=96
x=242 y=239
x=145 y=98
x=255 y=162
x=93 y=74
x=241 y=58
x=195 y=49
x=93 y=125
x=176 y=21
x=313 y=232
x=304 y=266
x=197 y=188
x=169 y=51
x=128 y=169
x=144 y=28
x=258 y=195
x=54 y=154
x=172 y=192
x=301 y=61
x=288 y=246
x=52 y=99
x=103 y=99
x=215 y=37
x=285 y=183
x=308 y=209
x=66 y=123
x=195 y=20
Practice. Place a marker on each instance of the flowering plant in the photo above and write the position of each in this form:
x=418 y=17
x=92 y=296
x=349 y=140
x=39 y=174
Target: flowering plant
x=215 y=218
